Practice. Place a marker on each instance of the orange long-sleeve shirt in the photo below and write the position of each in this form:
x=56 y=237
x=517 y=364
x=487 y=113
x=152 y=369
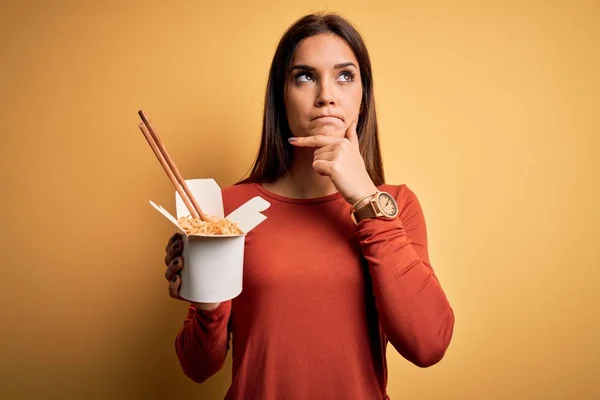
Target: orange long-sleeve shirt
x=321 y=299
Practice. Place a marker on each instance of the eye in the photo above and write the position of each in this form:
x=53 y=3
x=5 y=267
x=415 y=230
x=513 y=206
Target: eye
x=346 y=76
x=304 y=77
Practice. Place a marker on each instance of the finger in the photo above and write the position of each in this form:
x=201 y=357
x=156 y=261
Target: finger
x=174 y=287
x=314 y=141
x=323 y=167
x=174 y=268
x=328 y=156
x=351 y=134
x=175 y=250
x=325 y=149
x=172 y=239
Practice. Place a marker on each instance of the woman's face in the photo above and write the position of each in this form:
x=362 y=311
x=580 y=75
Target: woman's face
x=324 y=90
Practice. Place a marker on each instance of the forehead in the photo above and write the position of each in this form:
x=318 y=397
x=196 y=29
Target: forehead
x=323 y=51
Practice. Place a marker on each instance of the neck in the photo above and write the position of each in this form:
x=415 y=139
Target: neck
x=302 y=182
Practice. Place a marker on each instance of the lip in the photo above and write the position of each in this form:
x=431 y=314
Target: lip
x=323 y=116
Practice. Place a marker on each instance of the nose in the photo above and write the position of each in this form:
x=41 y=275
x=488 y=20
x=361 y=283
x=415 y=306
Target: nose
x=325 y=96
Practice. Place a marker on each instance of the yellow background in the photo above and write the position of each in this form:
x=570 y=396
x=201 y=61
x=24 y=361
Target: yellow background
x=488 y=112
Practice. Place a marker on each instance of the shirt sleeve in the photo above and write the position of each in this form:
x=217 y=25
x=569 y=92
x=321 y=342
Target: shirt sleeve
x=413 y=309
x=202 y=344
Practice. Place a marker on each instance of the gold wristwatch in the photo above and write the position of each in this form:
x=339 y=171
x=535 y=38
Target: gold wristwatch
x=380 y=205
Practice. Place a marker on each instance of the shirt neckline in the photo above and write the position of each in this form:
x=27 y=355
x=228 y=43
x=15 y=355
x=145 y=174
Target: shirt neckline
x=291 y=200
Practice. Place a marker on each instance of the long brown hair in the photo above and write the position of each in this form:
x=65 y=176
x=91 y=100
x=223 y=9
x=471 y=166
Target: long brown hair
x=275 y=153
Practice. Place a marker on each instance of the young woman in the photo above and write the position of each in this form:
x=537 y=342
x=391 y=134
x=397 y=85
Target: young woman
x=340 y=267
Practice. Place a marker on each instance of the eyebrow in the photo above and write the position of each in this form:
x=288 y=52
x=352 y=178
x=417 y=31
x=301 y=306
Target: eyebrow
x=336 y=66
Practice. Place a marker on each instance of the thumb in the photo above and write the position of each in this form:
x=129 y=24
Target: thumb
x=351 y=134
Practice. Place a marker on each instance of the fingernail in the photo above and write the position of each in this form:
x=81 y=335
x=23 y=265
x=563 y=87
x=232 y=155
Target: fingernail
x=174 y=278
x=293 y=139
x=176 y=262
x=176 y=245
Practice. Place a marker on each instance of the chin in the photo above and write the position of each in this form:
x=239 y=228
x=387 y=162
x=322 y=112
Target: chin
x=327 y=131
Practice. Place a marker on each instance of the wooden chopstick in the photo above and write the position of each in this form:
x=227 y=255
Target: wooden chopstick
x=170 y=168
x=165 y=166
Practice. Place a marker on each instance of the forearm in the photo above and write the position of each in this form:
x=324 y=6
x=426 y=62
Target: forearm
x=202 y=343
x=414 y=311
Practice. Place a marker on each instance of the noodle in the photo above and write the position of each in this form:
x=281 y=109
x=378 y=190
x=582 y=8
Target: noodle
x=214 y=226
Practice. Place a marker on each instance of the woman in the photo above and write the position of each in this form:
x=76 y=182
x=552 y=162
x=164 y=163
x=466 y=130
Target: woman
x=340 y=267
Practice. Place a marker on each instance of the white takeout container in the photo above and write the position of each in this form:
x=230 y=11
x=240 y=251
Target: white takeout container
x=213 y=265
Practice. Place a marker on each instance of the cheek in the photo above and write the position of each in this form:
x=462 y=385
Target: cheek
x=353 y=102
x=358 y=98
x=294 y=107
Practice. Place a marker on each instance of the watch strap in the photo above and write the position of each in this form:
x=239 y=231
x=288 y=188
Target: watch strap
x=365 y=212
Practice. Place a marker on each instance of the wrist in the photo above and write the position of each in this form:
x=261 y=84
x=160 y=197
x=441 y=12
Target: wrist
x=364 y=202
x=382 y=205
x=206 y=306
x=364 y=199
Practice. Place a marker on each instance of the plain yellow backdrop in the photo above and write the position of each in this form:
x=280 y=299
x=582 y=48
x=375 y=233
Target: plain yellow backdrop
x=488 y=111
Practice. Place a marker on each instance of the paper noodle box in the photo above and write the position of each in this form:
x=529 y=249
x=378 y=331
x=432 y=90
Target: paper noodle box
x=213 y=265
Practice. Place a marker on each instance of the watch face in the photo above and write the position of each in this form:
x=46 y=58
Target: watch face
x=387 y=204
